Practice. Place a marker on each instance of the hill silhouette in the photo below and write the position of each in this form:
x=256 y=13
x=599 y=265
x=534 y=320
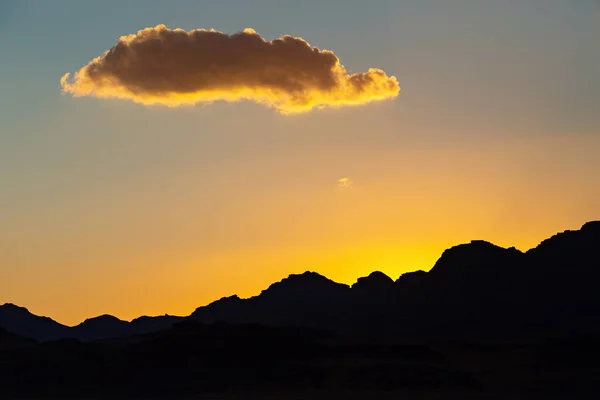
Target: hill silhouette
x=484 y=322
x=20 y=321
x=474 y=290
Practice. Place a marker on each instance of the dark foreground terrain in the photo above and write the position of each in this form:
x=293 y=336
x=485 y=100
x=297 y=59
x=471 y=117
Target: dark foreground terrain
x=240 y=361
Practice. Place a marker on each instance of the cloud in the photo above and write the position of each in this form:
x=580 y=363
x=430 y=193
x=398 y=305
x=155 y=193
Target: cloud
x=345 y=183
x=173 y=67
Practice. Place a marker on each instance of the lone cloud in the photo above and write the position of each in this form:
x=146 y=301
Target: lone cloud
x=173 y=67
x=345 y=183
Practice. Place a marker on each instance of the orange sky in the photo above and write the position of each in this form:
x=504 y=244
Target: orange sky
x=158 y=255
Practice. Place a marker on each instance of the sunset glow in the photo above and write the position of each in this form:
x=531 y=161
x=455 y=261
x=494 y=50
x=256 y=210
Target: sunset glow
x=174 y=164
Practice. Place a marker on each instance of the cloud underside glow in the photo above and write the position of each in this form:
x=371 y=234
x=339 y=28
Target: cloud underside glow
x=173 y=67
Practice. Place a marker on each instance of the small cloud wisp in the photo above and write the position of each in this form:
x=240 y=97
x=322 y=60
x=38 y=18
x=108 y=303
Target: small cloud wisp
x=345 y=183
x=173 y=67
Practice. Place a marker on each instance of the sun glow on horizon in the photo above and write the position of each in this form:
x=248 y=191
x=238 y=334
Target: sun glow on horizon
x=109 y=206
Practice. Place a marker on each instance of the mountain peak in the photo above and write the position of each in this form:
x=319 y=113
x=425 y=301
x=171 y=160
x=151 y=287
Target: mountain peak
x=591 y=226
x=588 y=230
x=375 y=281
x=146 y=318
x=14 y=308
x=571 y=247
x=411 y=279
x=19 y=320
x=103 y=319
x=228 y=299
x=223 y=302
x=308 y=277
x=302 y=284
x=468 y=257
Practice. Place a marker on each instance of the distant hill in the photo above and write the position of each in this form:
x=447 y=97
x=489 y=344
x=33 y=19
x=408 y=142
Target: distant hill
x=474 y=290
x=9 y=340
x=20 y=321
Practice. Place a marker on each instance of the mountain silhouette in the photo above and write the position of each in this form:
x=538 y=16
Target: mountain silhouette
x=374 y=284
x=103 y=326
x=20 y=321
x=484 y=322
x=474 y=290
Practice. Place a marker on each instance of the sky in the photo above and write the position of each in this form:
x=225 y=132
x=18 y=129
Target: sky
x=111 y=206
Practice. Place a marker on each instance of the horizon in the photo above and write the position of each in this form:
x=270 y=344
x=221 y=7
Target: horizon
x=235 y=148
x=349 y=284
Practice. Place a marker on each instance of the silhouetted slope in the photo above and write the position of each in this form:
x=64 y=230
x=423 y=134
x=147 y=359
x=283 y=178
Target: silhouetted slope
x=474 y=290
x=232 y=309
x=108 y=326
x=374 y=284
x=469 y=285
x=411 y=281
x=308 y=286
x=103 y=326
x=148 y=324
x=475 y=261
x=20 y=321
x=307 y=299
x=565 y=270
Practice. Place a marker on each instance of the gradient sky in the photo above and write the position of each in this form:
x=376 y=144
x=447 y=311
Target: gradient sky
x=107 y=206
